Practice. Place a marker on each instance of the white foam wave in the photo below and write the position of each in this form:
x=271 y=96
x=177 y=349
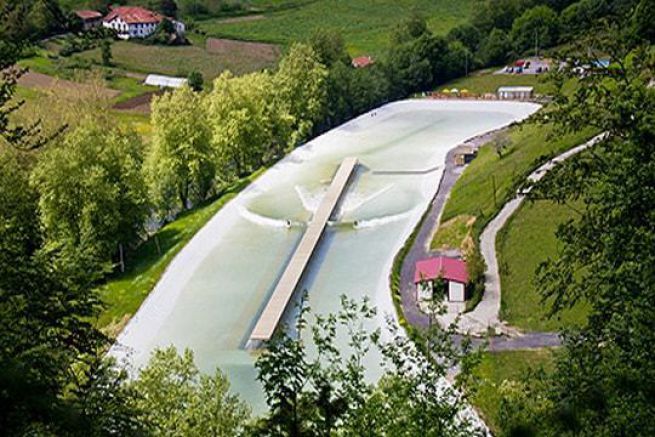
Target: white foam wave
x=266 y=221
x=380 y=221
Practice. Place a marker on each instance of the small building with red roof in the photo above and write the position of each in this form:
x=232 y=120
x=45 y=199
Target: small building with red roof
x=90 y=19
x=136 y=22
x=451 y=270
x=362 y=61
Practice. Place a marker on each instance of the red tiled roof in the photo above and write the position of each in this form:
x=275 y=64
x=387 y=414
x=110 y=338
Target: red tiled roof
x=448 y=268
x=133 y=15
x=362 y=61
x=88 y=14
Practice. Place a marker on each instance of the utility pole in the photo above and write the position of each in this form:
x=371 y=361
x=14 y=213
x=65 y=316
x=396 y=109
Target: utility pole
x=536 y=43
x=466 y=62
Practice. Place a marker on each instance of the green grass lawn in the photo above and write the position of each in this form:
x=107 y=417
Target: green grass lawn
x=528 y=239
x=178 y=60
x=453 y=233
x=531 y=144
x=497 y=367
x=484 y=81
x=123 y=294
x=364 y=24
x=128 y=86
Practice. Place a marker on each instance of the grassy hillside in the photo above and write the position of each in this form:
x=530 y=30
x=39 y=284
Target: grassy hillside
x=498 y=368
x=473 y=194
x=364 y=24
x=527 y=240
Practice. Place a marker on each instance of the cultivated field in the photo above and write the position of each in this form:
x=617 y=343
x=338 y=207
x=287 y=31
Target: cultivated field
x=364 y=24
x=180 y=61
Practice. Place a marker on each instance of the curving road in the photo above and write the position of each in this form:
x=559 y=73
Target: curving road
x=487 y=313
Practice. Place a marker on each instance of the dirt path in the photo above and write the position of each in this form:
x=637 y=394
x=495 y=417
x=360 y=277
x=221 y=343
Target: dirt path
x=487 y=313
x=223 y=46
x=242 y=19
x=45 y=82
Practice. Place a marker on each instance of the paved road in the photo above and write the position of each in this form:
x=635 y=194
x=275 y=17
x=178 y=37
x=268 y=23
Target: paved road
x=420 y=249
x=486 y=313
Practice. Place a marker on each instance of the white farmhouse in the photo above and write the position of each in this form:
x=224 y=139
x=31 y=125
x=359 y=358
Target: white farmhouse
x=136 y=22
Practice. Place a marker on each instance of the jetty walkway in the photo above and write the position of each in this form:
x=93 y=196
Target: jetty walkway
x=277 y=304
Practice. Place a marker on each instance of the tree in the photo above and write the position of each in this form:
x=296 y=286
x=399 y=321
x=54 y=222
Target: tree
x=249 y=128
x=329 y=47
x=468 y=34
x=168 y=8
x=408 y=70
x=22 y=20
x=495 y=48
x=92 y=197
x=458 y=60
x=327 y=392
x=409 y=29
x=51 y=379
x=181 y=163
x=501 y=143
x=196 y=81
x=300 y=89
x=603 y=382
x=642 y=21
x=105 y=50
x=176 y=399
x=535 y=28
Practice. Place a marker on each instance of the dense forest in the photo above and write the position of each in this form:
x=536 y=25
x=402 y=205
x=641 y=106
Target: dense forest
x=73 y=200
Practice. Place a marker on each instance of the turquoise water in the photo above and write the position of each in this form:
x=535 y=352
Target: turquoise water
x=210 y=296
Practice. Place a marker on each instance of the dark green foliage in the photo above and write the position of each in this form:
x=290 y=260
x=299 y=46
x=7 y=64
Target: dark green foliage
x=536 y=27
x=105 y=51
x=326 y=392
x=329 y=47
x=498 y=14
x=195 y=80
x=604 y=381
x=167 y=7
x=467 y=34
x=165 y=34
x=409 y=30
x=643 y=20
x=30 y=19
x=495 y=48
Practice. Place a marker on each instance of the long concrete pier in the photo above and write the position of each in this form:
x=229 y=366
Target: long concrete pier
x=277 y=304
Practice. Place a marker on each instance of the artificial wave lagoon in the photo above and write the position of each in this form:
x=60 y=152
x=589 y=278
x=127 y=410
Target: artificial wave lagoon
x=210 y=296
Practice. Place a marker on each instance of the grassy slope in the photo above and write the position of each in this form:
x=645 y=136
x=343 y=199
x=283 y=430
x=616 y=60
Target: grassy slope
x=497 y=367
x=473 y=193
x=364 y=24
x=527 y=240
x=485 y=82
x=124 y=293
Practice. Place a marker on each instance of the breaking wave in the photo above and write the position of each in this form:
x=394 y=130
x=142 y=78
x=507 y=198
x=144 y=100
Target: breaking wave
x=267 y=221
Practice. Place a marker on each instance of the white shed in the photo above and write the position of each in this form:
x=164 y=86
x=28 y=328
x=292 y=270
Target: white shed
x=515 y=92
x=441 y=268
x=165 y=81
